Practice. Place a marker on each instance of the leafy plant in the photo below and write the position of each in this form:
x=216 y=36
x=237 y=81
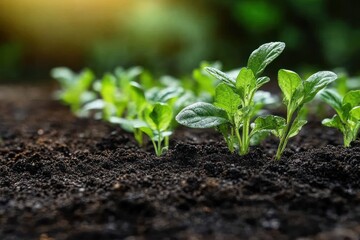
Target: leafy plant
x=114 y=92
x=156 y=124
x=296 y=93
x=75 y=88
x=347 y=117
x=234 y=105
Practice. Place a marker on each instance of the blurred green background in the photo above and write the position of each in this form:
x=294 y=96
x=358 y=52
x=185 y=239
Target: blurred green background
x=173 y=36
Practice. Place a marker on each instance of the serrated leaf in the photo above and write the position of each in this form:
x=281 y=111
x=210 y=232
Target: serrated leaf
x=333 y=99
x=263 y=56
x=317 y=82
x=227 y=99
x=296 y=128
x=202 y=115
x=289 y=81
x=352 y=98
x=221 y=76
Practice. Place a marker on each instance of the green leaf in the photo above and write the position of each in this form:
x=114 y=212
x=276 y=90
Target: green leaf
x=148 y=131
x=352 y=98
x=333 y=99
x=202 y=115
x=245 y=82
x=289 y=81
x=221 y=76
x=64 y=75
x=263 y=56
x=160 y=117
x=227 y=99
x=261 y=81
x=334 y=122
x=137 y=95
x=164 y=95
x=355 y=113
x=317 y=82
x=75 y=94
x=273 y=124
x=296 y=127
x=127 y=124
x=108 y=88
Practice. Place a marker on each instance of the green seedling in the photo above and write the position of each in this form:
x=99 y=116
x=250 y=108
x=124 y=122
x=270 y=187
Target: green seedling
x=114 y=92
x=140 y=100
x=75 y=88
x=111 y=102
x=347 y=117
x=205 y=83
x=234 y=106
x=296 y=93
x=155 y=124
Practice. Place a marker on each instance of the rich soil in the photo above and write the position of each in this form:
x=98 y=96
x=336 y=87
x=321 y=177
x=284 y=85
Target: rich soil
x=67 y=178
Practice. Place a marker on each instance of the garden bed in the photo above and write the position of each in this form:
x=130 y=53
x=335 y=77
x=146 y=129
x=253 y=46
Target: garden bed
x=67 y=178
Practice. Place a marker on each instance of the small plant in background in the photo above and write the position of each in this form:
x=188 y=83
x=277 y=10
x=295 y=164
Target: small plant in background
x=113 y=92
x=75 y=88
x=234 y=106
x=345 y=83
x=205 y=83
x=156 y=125
x=296 y=93
x=140 y=120
x=347 y=117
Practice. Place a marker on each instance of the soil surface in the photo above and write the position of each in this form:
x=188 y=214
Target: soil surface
x=67 y=178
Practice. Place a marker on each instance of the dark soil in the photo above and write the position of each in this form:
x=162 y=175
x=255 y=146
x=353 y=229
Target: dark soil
x=68 y=178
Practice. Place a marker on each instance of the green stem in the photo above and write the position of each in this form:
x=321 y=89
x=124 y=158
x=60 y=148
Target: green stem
x=138 y=137
x=245 y=137
x=167 y=141
x=285 y=135
x=230 y=140
x=239 y=139
x=159 y=145
x=155 y=147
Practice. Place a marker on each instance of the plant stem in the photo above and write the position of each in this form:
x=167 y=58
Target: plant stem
x=245 y=137
x=239 y=140
x=285 y=135
x=159 y=144
x=230 y=140
x=155 y=148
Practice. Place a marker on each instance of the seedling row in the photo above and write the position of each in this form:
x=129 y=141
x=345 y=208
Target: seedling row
x=231 y=102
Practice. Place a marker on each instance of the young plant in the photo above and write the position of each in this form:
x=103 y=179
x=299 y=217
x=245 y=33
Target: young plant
x=156 y=123
x=114 y=92
x=296 y=93
x=347 y=117
x=234 y=105
x=75 y=88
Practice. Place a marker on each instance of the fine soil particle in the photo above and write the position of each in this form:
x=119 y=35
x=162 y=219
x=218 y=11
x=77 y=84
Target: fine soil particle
x=67 y=178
